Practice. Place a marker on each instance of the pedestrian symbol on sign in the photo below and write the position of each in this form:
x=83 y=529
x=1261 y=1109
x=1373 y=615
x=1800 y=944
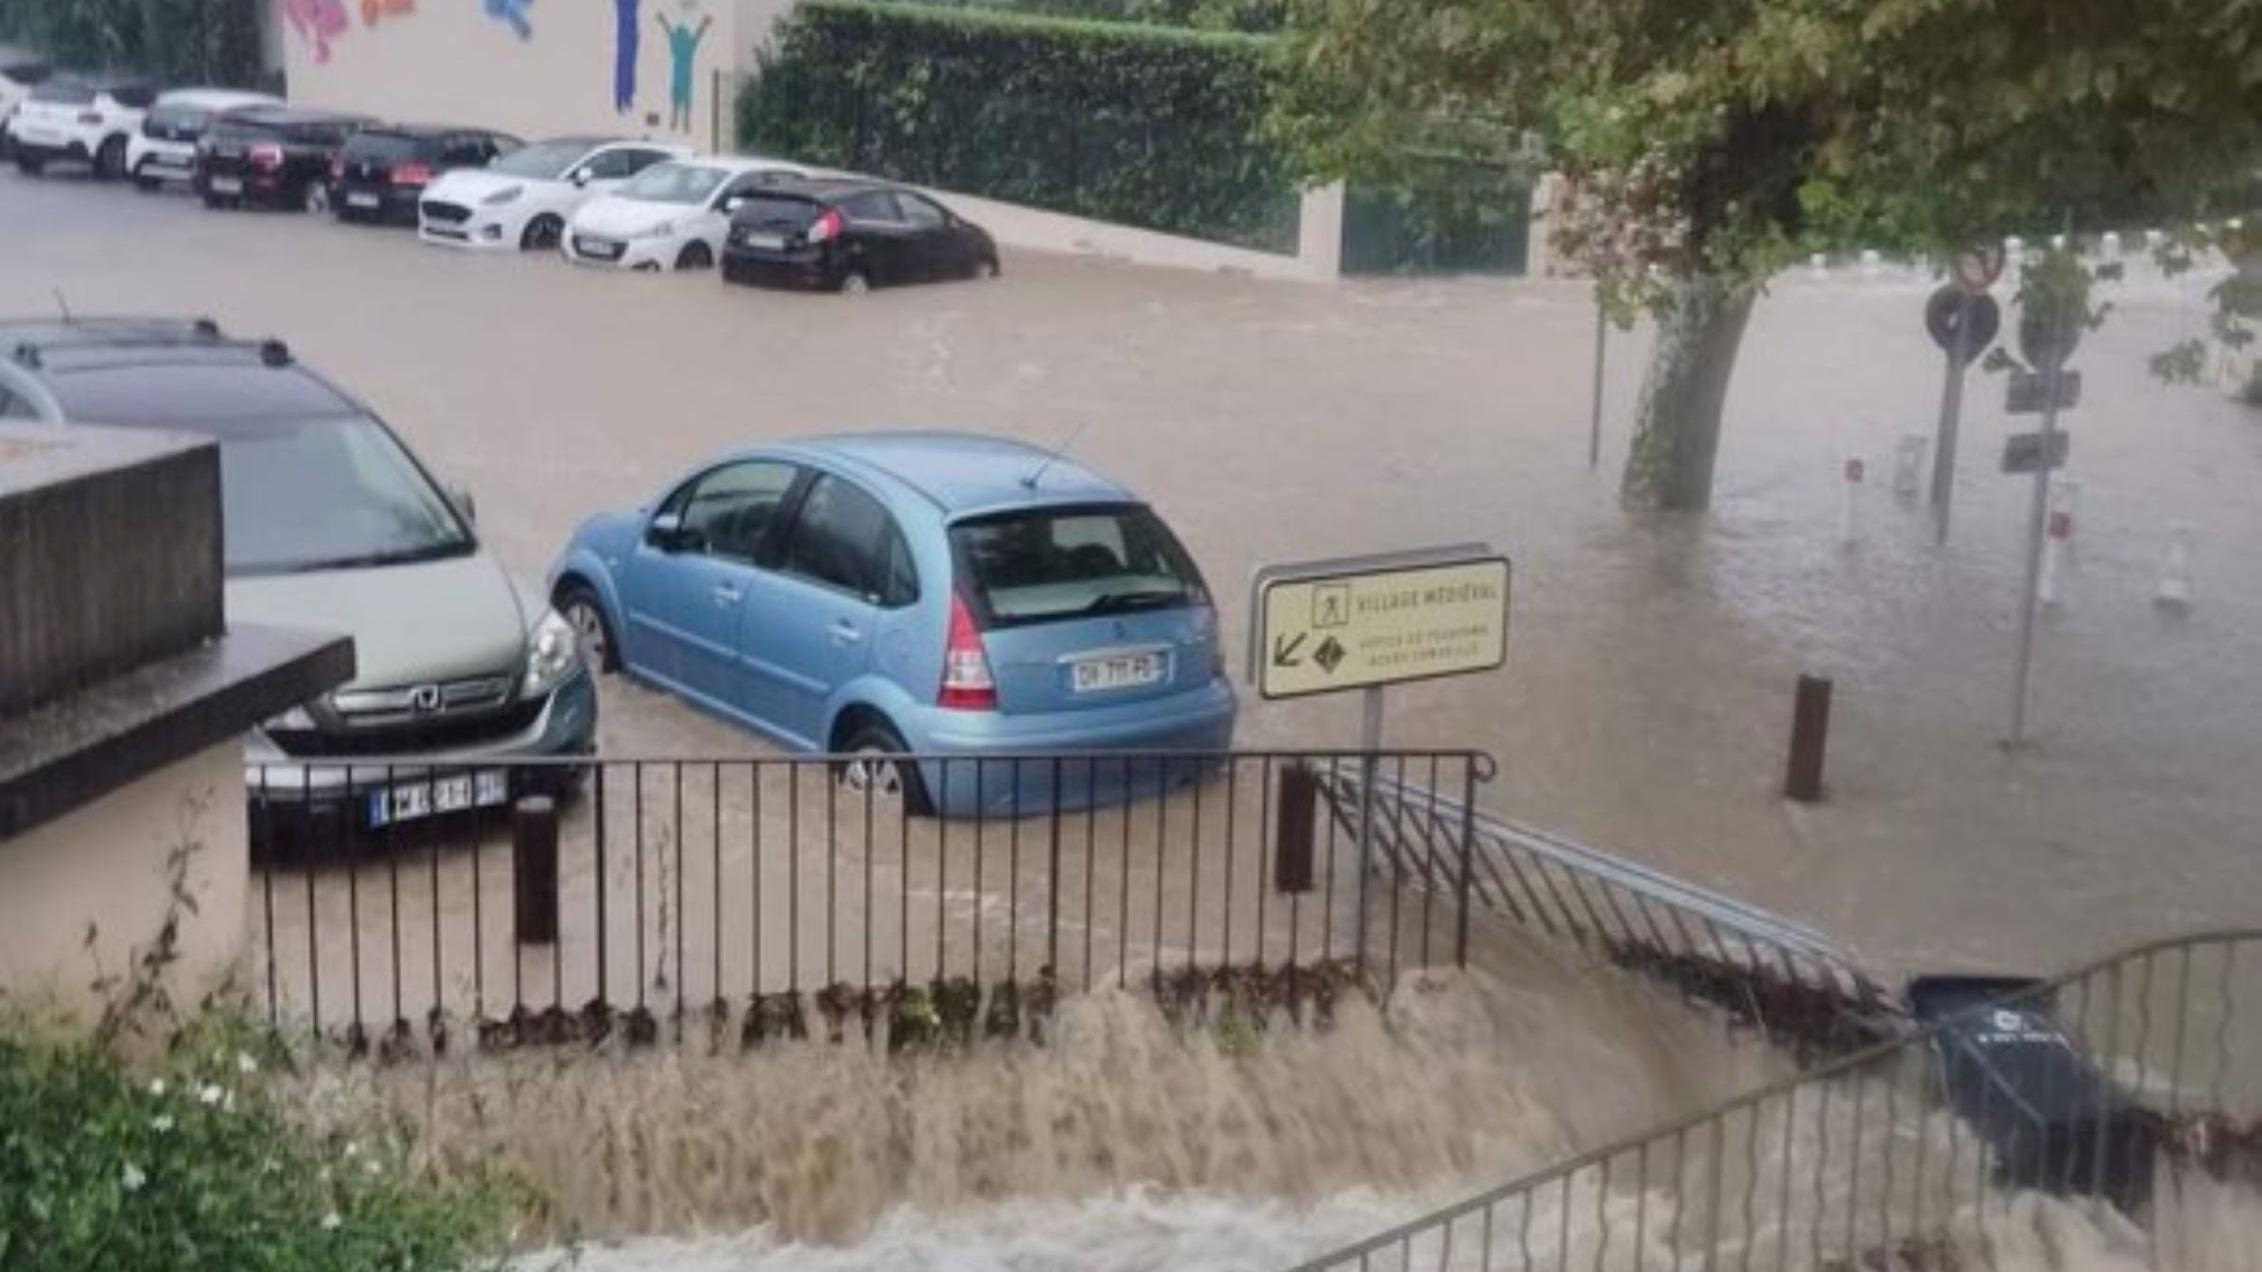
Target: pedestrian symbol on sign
x=1331 y=605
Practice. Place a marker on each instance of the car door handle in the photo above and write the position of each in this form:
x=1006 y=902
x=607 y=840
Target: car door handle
x=846 y=633
x=725 y=594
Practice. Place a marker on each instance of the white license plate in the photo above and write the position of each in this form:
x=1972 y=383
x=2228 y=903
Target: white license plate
x=767 y=242
x=597 y=248
x=1116 y=671
x=407 y=801
x=360 y=200
x=227 y=185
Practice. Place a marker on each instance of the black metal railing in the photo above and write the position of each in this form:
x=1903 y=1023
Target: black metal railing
x=2117 y=1087
x=1766 y=972
x=395 y=903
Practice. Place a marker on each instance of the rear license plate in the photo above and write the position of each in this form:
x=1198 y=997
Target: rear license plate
x=227 y=185
x=357 y=199
x=408 y=801
x=1116 y=671
x=766 y=242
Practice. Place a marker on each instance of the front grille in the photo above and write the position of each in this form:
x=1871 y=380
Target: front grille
x=414 y=735
x=445 y=213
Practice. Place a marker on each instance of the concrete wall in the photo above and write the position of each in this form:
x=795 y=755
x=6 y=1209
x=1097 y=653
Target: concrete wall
x=104 y=868
x=531 y=67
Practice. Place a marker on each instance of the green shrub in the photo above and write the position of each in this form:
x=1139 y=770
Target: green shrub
x=1202 y=15
x=191 y=1164
x=176 y=42
x=1141 y=125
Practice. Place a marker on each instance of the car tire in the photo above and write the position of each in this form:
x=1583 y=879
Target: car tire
x=583 y=612
x=854 y=283
x=218 y=203
x=110 y=159
x=147 y=185
x=29 y=165
x=867 y=762
x=541 y=233
x=694 y=256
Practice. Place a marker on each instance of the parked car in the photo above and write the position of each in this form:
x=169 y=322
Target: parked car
x=164 y=149
x=384 y=169
x=672 y=215
x=72 y=120
x=272 y=156
x=947 y=594
x=851 y=236
x=19 y=74
x=332 y=524
x=522 y=200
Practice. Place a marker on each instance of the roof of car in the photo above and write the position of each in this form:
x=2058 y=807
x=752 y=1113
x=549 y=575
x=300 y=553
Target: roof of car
x=293 y=115
x=104 y=81
x=425 y=130
x=835 y=187
x=966 y=472
x=214 y=97
x=735 y=163
x=183 y=370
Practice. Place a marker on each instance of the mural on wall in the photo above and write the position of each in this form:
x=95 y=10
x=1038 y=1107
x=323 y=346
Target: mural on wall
x=683 y=48
x=317 y=23
x=372 y=11
x=625 y=33
x=511 y=13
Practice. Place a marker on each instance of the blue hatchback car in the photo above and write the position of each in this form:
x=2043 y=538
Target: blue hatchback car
x=941 y=594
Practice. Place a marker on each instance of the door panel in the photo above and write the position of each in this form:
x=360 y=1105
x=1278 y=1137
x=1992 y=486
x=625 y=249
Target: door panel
x=811 y=624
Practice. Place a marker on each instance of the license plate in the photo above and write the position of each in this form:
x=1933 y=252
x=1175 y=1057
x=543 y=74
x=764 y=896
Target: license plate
x=767 y=242
x=227 y=185
x=599 y=248
x=407 y=801
x=1116 y=671
x=360 y=200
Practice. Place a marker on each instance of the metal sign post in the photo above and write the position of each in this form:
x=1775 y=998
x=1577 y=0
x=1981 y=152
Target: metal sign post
x=1963 y=320
x=1594 y=421
x=2048 y=451
x=1368 y=622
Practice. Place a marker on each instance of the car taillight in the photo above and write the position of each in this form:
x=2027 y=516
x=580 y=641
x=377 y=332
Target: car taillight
x=265 y=156
x=411 y=174
x=966 y=681
x=825 y=227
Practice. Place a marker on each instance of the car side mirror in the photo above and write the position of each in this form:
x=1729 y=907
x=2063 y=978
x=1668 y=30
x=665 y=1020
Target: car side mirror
x=667 y=533
x=581 y=176
x=733 y=204
x=465 y=504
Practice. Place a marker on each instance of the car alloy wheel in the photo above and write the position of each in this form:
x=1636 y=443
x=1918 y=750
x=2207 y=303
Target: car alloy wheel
x=694 y=256
x=593 y=638
x=853 y=283
x=874 y=769
x=542 y=232
x=110 y=159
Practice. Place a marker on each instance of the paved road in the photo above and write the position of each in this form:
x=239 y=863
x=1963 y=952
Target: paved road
x=1649 y=686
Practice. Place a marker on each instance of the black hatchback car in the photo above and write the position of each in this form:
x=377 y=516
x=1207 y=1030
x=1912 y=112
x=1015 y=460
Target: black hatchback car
x=383 y=170
x=851 y=236
x=272 y=156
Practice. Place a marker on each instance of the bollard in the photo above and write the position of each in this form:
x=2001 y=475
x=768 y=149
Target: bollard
x=1847 y=527
x=1870 y=262
x=1810 y=733
x=1293 y=832
x=1908 y=465
x=2153 y=239
x=1819 y=264
x=2110 y=245
x=534 y=869
x=2174 y=592
x=2057 y=242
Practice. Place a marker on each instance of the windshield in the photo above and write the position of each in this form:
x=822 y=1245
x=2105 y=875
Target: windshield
x=388 y=147
x=674 y=183
x=1056 y=563
x=544 y=160
x=328 y=494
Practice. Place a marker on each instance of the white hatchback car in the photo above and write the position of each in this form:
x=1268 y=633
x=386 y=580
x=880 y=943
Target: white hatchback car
x=165 y=147
x=73 y=120
x=672 y=216
x=523 y=199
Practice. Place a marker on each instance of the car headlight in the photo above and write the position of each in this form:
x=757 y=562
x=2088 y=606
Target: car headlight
x=294 y=720
x=505 y=195
x=553 y=655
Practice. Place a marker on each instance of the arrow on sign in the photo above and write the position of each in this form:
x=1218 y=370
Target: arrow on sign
x=1284 y=652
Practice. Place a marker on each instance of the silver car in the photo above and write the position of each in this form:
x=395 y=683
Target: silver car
x=331 y=524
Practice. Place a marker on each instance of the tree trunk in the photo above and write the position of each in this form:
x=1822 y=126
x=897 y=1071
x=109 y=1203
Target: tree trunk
x=1677 y=433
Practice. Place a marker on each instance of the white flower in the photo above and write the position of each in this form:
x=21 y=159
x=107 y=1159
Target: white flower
x=245 y=1064
x=162 y=1123
x=228 y=1103
x=132 y=1178
x=210 y=1095
x=353 y=1148
x=371 y=1166
x=157 y=1086
x=331 y=1221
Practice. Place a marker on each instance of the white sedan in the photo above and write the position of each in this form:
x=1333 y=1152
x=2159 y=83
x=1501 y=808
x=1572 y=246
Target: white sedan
x=164 y=149
x=523 y=199
x=673 y=216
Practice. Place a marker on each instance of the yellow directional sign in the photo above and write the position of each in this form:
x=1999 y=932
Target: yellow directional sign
x=1354 y=624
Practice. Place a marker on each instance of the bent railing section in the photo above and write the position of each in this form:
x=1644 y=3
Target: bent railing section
x=2130 y=1090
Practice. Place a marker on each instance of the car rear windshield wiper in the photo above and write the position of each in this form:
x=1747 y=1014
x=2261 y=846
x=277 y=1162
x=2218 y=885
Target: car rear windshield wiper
x=1119 y=602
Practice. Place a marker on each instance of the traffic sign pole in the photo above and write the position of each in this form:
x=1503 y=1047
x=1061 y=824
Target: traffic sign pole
x=1370 y=768
x=1594 y=421
x=1951 y=418
x=2038 y=521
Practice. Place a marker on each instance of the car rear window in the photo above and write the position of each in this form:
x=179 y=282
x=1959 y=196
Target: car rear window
x=63 y=91
x=782 y=212
x=389 y=147
x=240 y=130
x=180 y=118
x=138 y=96
x=1048 y=564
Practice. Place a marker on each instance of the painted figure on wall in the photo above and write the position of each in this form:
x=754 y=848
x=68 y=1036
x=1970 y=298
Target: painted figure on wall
x=511 y=13
x=625 y=33
x=317 y=22
x=683 y=47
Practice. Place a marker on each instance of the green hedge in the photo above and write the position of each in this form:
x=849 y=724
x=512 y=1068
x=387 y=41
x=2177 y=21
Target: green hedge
x=176 y=42
x=1136 y=124
x=1204 y=15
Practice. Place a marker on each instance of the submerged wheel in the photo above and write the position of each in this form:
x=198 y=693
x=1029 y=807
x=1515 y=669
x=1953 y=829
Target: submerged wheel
x=694 y=256
x=873 y=763
x=854 y=283
x=541 y=233
x=592 y=631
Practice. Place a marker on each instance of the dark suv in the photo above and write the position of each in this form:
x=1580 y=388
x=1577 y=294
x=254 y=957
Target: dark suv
x=331 y=524
x=274 y=156
x=851 y=235
x=383 y=170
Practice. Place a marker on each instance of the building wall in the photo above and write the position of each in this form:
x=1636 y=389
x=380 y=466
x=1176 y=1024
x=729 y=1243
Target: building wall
x=80 y=896
x=531 y=67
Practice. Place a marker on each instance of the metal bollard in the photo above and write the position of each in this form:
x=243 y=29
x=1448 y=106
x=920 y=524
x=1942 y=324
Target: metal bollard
x=534 y=869
x=1294 y=829
x=1810 y=733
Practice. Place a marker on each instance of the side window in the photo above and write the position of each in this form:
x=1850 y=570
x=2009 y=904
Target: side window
x=841 y=539
x=899 y=579
x=919 y=213
x=465 y=151
x=732 y=507
x=612 y=165
x=873 y=207
x=637 y=158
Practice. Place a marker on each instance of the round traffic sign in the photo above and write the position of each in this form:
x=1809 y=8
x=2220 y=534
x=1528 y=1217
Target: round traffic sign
x=1949 y=311
x=1976 y=268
